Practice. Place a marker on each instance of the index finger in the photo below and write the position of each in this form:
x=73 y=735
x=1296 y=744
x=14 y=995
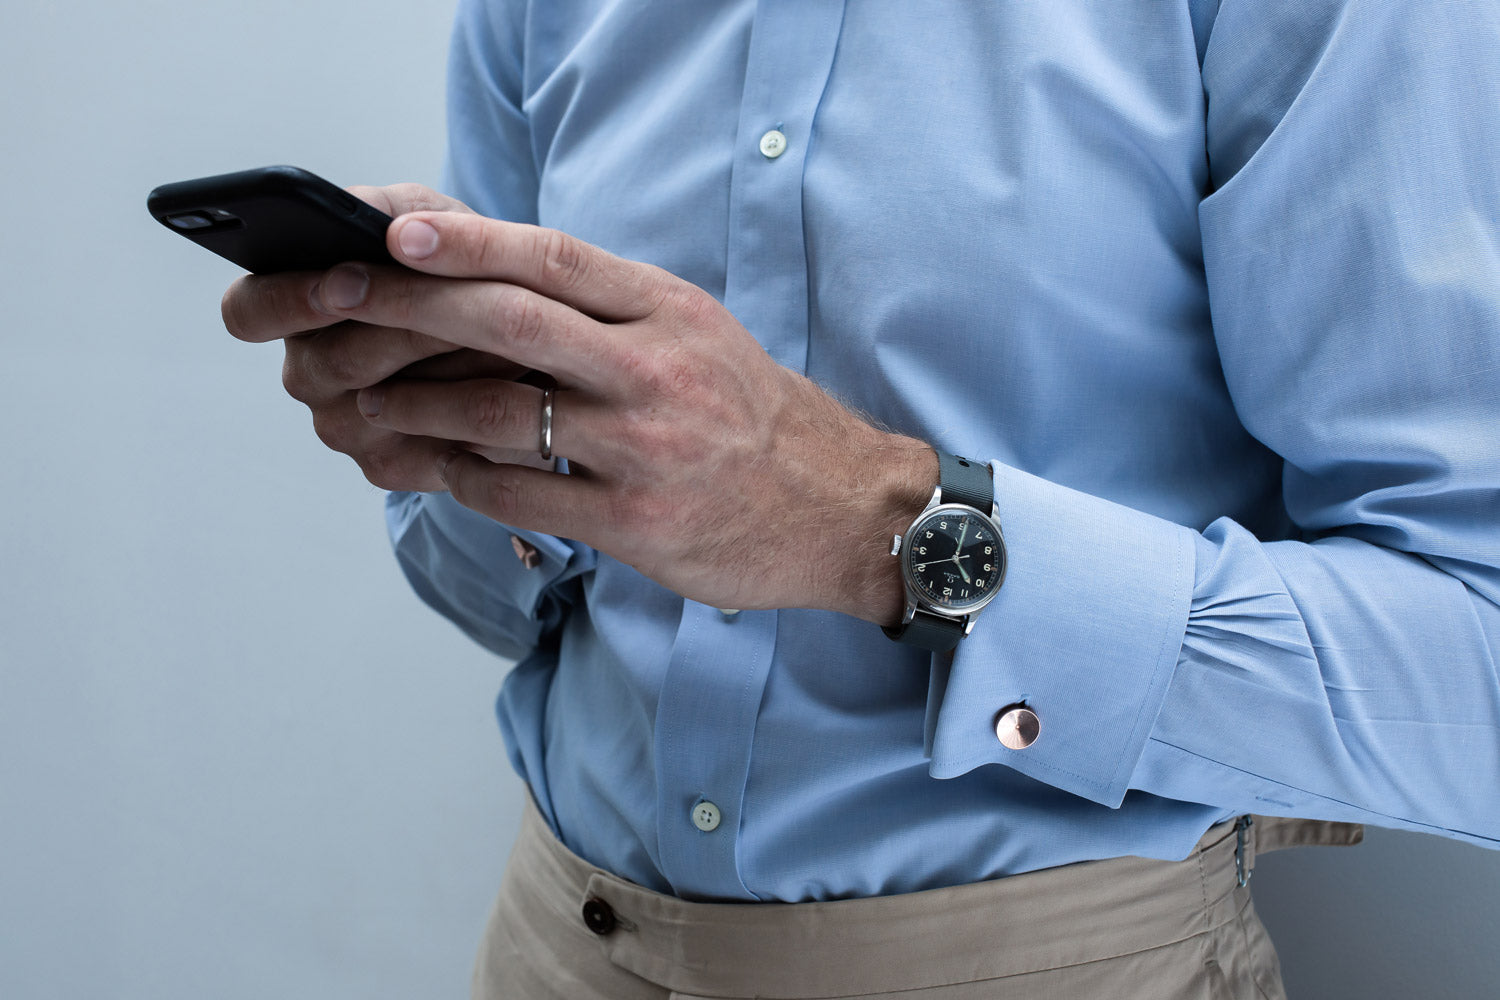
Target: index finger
x=398 y=199
x=547 y=261
x=263 y=307
x=493 y=317
x=260 y=308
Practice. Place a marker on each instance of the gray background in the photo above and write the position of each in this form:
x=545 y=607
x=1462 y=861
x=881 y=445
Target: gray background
x=237 y=758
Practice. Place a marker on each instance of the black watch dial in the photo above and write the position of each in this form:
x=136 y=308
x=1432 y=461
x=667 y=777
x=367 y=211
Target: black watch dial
x=955 y=559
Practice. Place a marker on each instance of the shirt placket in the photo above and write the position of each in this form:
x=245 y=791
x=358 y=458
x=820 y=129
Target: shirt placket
x=705 y=722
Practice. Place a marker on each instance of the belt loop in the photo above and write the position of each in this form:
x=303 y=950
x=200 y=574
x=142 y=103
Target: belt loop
x=1243 y=861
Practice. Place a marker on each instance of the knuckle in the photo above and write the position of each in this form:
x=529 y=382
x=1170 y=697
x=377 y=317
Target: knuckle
x=387 y=468
x=335 y=429
x=410 y=196
x=232 y=309
x=529 y=320
x=660 y=289
x=501 y=497
x=516 y=315
x=412 y=346
x=694 y=308
x=489 y=412
x=489 y=248
x=562 y=258
x=336 y=363
x=255 y=306
x=664 y=374
x=281 y=305
x=294 y=375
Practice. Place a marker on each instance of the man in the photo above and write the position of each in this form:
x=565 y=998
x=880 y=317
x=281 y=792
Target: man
x=1208 y=297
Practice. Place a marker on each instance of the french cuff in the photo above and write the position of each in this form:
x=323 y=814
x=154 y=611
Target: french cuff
x=486 y=568
x=1084 y=634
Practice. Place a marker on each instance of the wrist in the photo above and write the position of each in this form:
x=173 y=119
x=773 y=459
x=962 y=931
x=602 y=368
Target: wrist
x=895 y=484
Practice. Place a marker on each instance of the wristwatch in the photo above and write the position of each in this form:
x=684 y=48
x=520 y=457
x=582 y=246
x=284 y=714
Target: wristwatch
x=952 y=557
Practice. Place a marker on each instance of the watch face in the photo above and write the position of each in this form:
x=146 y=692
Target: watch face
x=955 y=558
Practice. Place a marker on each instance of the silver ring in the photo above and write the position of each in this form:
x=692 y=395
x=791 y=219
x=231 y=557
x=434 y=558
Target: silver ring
x=546 y=448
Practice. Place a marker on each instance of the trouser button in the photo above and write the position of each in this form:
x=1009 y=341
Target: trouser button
x=598 y=916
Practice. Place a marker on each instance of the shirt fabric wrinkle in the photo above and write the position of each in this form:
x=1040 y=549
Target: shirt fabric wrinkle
x=1243 y=451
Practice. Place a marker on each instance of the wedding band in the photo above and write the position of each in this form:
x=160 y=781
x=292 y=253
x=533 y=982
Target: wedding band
x=546 y=448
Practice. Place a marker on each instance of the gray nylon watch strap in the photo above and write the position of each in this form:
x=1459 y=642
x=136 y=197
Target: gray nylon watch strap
x=966 y=482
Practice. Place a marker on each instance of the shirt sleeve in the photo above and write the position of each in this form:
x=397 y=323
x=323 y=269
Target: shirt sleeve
x=462 y=564
x=466 y=568
x=1352 y=255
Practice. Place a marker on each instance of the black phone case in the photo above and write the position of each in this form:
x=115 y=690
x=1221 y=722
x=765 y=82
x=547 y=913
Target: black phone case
x=273 y=219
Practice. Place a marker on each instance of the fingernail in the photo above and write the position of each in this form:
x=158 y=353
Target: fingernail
x=418 y=240
x=370 y=400
x=345 y=286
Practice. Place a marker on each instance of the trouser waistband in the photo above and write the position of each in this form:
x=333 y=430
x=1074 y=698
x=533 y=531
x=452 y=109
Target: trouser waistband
x=1025 y=923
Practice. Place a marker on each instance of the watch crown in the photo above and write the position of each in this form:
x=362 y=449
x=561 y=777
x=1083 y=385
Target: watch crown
x=896 y=546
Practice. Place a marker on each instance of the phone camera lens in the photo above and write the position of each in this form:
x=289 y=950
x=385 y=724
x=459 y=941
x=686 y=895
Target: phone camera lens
x=190 y=220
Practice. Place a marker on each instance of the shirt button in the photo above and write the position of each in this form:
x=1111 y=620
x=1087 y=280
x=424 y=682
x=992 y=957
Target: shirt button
x=729 y=612
x=599 y=916
x=706 y=816
x=772 y=144
x=1017 y=727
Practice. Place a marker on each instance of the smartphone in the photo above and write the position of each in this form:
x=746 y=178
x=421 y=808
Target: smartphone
x=273 y=219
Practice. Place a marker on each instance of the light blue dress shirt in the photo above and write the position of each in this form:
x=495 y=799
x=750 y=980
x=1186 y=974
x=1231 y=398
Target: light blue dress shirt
x=1215 y=288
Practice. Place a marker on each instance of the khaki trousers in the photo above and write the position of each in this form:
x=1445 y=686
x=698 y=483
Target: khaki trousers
x=1125 y=928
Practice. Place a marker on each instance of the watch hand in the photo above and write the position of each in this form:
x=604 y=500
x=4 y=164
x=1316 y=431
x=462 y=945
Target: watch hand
x=961 y=536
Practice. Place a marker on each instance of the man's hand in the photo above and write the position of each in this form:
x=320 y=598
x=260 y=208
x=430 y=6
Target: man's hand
x=329 y=361
x=694 y=456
